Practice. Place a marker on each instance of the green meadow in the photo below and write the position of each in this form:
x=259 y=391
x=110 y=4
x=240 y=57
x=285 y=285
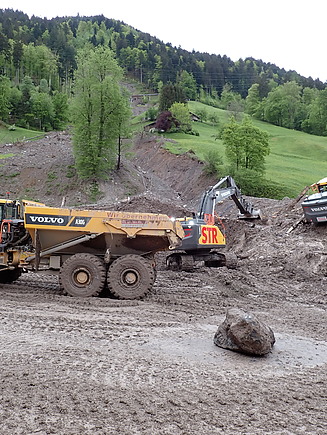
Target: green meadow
x=296 y=159
x=8 y=136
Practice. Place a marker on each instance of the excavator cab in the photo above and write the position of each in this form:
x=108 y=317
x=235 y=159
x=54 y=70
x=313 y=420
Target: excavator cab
x=9 y=209
x=322 y=185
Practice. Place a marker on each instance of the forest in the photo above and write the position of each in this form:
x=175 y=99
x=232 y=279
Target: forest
x=38 y=61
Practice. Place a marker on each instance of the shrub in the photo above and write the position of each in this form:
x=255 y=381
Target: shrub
x=254 y=184
x=213 y=162
x=151 y=114
x=166 y=121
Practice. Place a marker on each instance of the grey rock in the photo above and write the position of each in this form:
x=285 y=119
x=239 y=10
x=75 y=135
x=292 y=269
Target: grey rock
x=245 y=333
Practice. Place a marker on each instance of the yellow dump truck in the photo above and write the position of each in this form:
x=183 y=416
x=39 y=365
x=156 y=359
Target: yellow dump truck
x=91 y=250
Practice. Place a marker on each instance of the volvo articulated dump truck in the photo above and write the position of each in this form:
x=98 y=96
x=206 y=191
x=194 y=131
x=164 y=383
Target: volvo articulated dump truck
x=91 y=250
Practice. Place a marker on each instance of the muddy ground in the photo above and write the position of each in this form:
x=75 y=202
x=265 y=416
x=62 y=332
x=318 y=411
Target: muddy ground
x=103 y=366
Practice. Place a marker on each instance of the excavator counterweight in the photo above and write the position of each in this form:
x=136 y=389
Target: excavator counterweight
x=315 y=205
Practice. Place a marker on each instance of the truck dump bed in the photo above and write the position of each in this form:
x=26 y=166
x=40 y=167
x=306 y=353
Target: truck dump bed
x=98 y=230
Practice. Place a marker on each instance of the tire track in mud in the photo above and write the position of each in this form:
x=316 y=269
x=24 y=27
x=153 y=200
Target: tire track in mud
x=91 y=366
x=59 y=371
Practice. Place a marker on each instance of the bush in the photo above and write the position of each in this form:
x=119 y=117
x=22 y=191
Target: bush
x=193 y=132
x=252 y=183
x=213 y=163
x=181 y=113
x=151 y=114
x=166 y=122
x=203 y=114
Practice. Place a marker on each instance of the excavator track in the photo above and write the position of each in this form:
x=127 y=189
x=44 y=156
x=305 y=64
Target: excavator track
x=180 y=261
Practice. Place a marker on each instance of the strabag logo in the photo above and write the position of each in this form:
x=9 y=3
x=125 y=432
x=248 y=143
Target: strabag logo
x=42 y=219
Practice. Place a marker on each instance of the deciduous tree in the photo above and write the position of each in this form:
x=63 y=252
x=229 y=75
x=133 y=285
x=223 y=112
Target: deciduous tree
x=283 y=105
x=42 y=110
x=228 y=96
x=166 y=121
x=97 y=111
x=253 y=100
x=181 y=112
x=246 y=145
x=188 y=84
x=317 y=119
x=4 y=98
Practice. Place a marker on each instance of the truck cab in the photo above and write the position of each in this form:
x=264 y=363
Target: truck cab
x=11 y=224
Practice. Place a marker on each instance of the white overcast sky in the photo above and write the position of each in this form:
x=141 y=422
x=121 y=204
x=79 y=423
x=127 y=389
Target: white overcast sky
x=289 y=33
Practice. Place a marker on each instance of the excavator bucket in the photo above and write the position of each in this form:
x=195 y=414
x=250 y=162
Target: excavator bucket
x=253 y=214
x=246 y=209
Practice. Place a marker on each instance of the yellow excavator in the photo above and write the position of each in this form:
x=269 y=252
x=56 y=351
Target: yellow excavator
x=91 y=250
x=315 y=205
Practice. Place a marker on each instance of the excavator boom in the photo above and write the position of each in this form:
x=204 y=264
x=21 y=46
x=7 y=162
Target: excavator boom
x=226 y=188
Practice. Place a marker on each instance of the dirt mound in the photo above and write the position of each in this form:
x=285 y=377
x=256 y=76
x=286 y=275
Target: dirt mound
x=182 y=173
x=41 y=169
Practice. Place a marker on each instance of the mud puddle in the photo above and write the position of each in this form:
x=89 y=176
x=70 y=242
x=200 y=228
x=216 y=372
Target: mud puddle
x=290 y=352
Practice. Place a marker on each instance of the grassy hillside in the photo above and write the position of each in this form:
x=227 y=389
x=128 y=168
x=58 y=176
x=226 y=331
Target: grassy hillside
x=16 y=135
x=296 y=159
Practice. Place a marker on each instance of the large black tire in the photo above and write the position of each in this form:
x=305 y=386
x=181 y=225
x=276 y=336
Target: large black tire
x=130 y=277
x=82 y=275
x=7 y=276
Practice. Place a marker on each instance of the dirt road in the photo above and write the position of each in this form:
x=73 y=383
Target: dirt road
x=102 y=366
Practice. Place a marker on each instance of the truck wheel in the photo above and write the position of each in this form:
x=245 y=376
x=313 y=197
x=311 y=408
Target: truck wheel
x=82 y=275
x=130 y=277
x=8 y=276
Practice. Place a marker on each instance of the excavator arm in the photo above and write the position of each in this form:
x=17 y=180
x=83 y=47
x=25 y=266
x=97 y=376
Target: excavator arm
x=225 y=188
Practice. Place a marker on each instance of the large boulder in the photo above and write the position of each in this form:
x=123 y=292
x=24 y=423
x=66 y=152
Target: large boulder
x=243 y=332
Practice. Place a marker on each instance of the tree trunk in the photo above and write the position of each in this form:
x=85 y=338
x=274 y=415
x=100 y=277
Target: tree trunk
x=119 y=153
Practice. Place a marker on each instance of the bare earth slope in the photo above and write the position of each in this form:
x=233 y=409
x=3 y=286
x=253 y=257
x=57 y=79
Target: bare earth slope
x=102 y=366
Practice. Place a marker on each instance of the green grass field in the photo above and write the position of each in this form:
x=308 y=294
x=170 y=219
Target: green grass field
x=296 y=159
x=12 y=136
